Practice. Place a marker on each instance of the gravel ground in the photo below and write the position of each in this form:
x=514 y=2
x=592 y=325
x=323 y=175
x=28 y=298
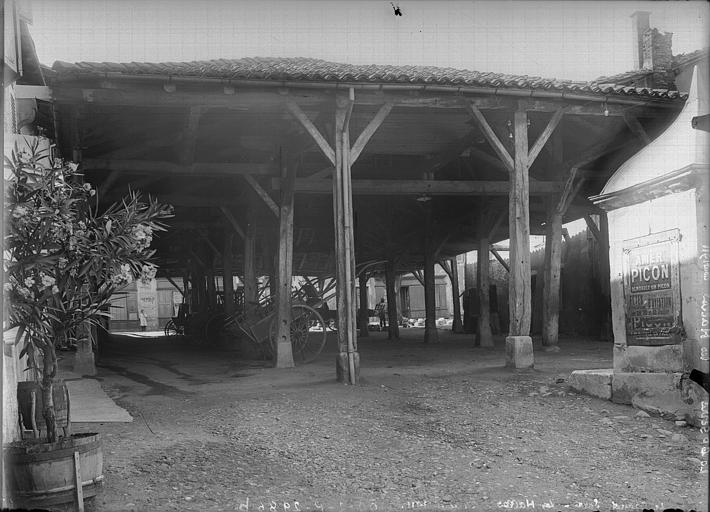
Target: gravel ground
x=430 y=427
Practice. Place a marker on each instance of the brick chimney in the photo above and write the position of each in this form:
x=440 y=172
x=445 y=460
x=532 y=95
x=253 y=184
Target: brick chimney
x=639 y=26
x=652 y=51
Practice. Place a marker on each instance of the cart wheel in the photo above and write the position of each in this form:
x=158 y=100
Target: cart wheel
x=171 y=329
x=308 y=333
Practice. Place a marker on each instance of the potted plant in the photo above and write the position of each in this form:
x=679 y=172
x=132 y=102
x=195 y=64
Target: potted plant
x=63 y=259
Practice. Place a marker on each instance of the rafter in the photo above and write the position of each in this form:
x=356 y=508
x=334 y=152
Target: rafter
x=232 y=221
x=263 y=194
x=311 y=128
x=635 y=126
x=491 y=137
x=500 y=259
x=545 y=135
x=369 y=131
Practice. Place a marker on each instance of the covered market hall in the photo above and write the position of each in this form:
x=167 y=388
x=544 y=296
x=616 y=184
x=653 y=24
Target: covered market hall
x=288 y=167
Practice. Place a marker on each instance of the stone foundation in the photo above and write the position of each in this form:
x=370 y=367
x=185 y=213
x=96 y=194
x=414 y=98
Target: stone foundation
x=670 y=395
x=596 y=383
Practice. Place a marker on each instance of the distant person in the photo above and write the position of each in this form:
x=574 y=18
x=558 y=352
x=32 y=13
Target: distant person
x=143 y=320
x=381 y=310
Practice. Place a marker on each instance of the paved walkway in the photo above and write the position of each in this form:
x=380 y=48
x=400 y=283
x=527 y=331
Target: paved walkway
x=430 y=427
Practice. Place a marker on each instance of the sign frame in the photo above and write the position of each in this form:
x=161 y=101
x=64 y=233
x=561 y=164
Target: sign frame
x=667 y=334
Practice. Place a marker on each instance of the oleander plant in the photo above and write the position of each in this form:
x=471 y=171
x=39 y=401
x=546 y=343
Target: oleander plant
x=64 y=258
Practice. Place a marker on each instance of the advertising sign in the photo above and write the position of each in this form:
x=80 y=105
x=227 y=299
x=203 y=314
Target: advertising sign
x=652 y=289
x=147 y=295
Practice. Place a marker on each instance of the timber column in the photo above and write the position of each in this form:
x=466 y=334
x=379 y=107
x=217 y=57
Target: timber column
x=457 y=326
x=364 y=306
x=251 y=293
x=284 y=352
x=392 y=314
x=518 y=344
x=348 y=359
x=485 y=337
x=551 y=285
x=431 y=335
x=228 y=271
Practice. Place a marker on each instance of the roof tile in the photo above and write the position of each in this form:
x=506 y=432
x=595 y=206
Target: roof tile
x=308 y=69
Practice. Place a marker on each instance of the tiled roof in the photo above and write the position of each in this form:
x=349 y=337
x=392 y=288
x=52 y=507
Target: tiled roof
x=687 y=58
x=316 y=70
x=625 y=78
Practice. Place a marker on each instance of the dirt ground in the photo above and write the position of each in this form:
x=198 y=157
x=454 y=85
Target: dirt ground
x=429 y=427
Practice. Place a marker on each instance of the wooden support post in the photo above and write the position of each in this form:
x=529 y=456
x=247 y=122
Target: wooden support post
x=456 y=300
x=398 y=295
x=251 y=291
x=211 y=288
x=484 y=334
x=364 y=317
x=284 y=353
x=348 y=361
x=228 y=273
x=431 y=335
x=392 y=316
x=551 y=278
x=604 y=277
x=519 y=352
x=519 y=225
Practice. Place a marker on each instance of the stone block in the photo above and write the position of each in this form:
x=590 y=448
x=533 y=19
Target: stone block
x=519 y=352
x=669 y=395
x=626 y=385
x=592 y=382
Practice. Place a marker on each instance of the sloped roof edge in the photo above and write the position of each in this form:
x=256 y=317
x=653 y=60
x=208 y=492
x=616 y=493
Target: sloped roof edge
x=298 y=69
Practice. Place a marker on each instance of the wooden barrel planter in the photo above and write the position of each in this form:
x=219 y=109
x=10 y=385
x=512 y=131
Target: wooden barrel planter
x=43 y=474
x=31 y=406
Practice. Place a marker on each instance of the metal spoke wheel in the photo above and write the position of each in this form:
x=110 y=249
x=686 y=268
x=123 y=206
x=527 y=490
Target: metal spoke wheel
x=308 y=333
x=171 y=329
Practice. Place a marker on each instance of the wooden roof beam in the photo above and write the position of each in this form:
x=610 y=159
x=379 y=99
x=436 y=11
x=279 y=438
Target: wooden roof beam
x=163 y=167
x=416 y=187
x=254 y=95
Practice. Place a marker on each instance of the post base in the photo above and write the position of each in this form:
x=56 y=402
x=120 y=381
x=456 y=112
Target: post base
x=342 y=367
x=519 y=352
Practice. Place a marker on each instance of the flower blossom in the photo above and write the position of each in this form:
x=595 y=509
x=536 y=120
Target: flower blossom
x=47 y=281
